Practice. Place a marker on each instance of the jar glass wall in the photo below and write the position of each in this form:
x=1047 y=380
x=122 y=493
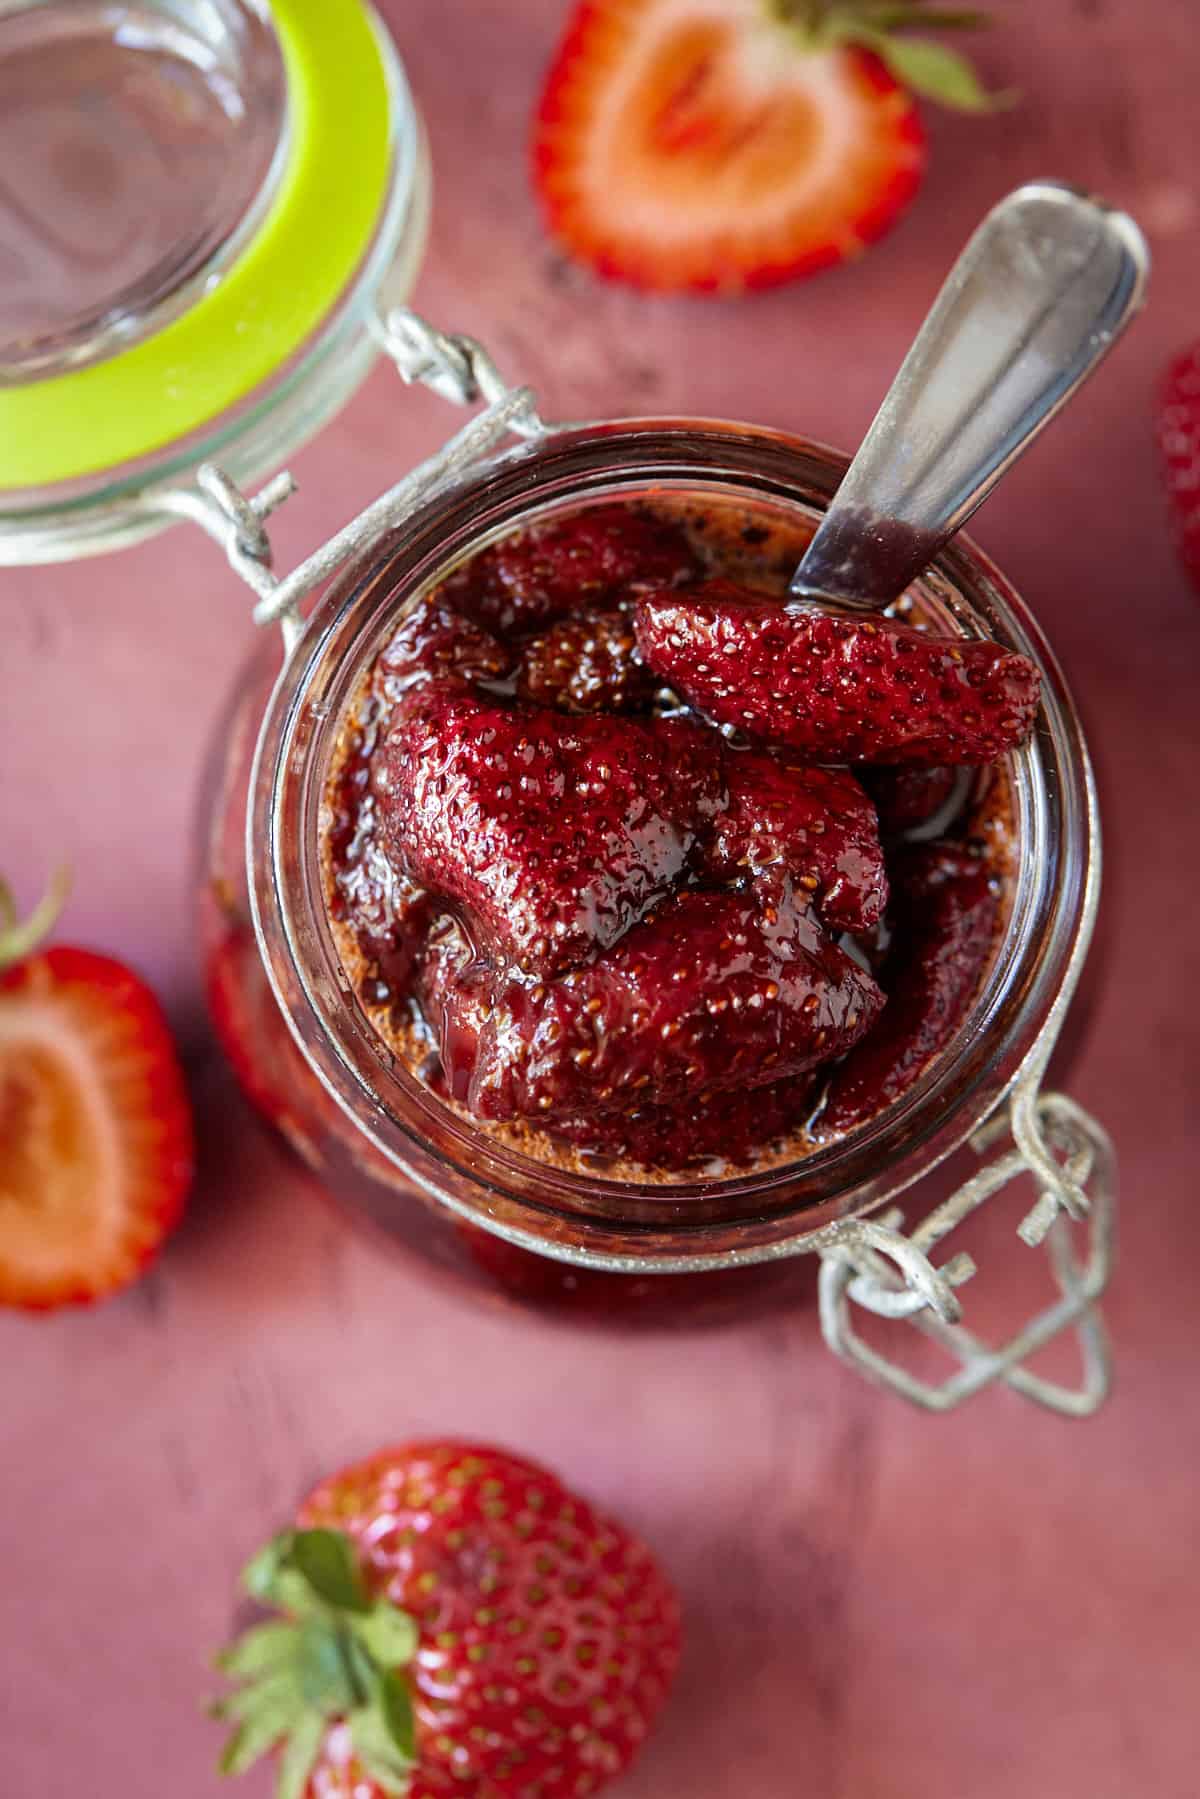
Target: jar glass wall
x=380 y=1139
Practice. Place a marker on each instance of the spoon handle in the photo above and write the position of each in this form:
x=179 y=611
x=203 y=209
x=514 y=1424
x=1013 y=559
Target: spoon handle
x=1039 y=295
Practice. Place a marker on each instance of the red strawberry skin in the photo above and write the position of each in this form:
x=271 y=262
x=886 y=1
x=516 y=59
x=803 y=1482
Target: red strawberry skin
x=863 y=690
x=906 y=798
x=96 y=1139
x=715 y=991
x=587 y=665
x=435 y=641
x=945 y=927
x=1179 y=444
x=553 y=835
x=582 y=563
x=814 y=826
x=549 y=1635
x=390 y=911
x=727 y=1127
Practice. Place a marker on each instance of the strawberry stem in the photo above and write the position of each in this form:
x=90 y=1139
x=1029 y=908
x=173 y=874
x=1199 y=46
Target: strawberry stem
x=918 y=63
x=19 y=939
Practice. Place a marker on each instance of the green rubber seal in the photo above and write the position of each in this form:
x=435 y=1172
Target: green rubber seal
x=273 y=296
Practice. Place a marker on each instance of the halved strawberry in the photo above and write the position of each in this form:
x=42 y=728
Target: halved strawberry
x=96 y=1146
x=718 y=145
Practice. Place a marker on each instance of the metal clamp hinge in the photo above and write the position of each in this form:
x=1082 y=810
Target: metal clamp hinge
x=458 y=369
x=872 y=1264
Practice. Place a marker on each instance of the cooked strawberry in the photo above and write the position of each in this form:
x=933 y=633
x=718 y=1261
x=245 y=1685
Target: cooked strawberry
x=946 y=912
x=727 y=1127
x=454 y=987
x=390 y=912
x=436 y=640
x=838 y=688
x=576 y=564
x=587 y=665
x=553 y=835
x=717 y=145
x=813 y=826
x=96 y=1146
x=712 y=992
x=906 y=798
x=1179 y=442
x=454 y=1621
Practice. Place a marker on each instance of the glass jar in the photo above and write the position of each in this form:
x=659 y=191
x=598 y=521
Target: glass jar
x=258 y=287
x=381 y=1141
x=188 y=272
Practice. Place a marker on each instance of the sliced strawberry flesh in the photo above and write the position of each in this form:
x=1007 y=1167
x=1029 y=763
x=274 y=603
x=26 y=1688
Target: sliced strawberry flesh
x=695 y=144
x=96 y=1148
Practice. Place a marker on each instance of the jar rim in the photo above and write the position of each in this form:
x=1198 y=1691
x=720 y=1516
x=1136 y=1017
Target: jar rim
x=593 y=1219
x=281 y=376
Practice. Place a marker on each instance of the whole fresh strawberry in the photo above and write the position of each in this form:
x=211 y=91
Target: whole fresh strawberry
x=717 y=145
x=96 y=1147
x=1179 y=442
x=454 y=1621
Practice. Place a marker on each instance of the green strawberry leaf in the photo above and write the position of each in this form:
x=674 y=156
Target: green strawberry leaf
x=260 y=1576
x=378 y=1753
x=327 y=1561
x=395 y=1708
x=19 y=940
x=329 y=1677
x=260 y=1651
x=389 y=1635
x=933 y=71
x=277 y=1696
x=335 y=1657
x=267 y=1712
x=299 y=1753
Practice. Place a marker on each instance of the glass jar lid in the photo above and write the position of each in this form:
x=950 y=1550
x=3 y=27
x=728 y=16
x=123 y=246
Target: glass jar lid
x=212 y=199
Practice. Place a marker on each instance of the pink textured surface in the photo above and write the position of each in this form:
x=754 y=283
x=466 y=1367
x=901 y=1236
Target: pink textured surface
x=881 y=1606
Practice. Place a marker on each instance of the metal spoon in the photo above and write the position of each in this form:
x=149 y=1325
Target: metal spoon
x=1040 y=294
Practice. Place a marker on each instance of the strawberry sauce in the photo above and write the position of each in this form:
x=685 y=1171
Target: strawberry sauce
x=605 y=866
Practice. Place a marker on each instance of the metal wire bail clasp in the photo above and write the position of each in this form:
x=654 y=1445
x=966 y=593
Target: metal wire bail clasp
x=870 y=1263
x=458 y=369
